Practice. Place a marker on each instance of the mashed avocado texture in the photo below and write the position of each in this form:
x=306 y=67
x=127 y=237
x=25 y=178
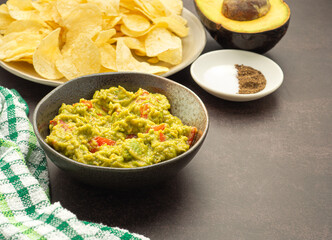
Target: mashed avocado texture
x=118 y=128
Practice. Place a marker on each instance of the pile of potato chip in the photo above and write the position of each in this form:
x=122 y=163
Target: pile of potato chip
x=72 y=38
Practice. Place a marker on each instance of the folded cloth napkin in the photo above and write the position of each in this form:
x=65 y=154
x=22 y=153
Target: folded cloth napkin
x=25 y=209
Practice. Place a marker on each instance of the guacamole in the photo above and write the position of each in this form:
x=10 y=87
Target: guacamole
x=119 y=128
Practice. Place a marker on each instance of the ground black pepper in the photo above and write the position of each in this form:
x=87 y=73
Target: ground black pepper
x=250 y=79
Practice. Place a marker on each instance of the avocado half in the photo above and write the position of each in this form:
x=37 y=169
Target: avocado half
x=257 y=35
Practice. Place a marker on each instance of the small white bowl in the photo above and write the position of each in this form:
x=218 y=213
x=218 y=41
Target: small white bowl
x=221 y=61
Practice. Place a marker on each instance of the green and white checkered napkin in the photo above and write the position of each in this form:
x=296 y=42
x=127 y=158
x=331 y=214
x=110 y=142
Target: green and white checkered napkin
x=25 y=209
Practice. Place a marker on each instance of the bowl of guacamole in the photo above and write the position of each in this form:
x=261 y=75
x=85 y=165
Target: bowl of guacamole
x=121 y=130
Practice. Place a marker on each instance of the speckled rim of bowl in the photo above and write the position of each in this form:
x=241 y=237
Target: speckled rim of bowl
x=99 y=168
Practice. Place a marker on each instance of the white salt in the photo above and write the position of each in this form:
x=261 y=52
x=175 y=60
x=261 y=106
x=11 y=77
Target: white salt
x=222 y=78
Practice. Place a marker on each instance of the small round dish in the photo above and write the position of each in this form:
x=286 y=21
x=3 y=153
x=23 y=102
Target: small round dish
x=212 y=71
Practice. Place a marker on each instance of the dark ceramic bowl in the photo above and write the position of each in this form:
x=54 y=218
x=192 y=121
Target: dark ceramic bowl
x=184 y=104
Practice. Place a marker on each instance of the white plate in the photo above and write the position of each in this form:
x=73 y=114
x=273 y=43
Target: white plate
x=193 y=46
x=223 y=59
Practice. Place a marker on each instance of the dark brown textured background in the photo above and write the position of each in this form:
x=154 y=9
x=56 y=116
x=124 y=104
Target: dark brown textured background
x=265 y=169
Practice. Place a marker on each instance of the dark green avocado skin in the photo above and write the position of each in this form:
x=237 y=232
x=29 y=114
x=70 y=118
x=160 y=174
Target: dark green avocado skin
x=255 y=42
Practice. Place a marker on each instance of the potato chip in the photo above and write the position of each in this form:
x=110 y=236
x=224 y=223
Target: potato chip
x=24 y=59
x=157 y=6
x=110 y=7
x=18 y=45
x=110 y=22
x=125 y=31
x=134 y=43
x=172 y=56
x=174 y=6
x=135 y=22
x=47 y=10
x=130 y=33
x=46 y=54
x=159 y=40
x=175 y=24
x=150 y=10
x=64 y=7
x=128 y=4
x=82 y=57
x=104 y=36
x=5 y=18
x=34 y=26
x=108 y=56
x=22 y=10
x=84 y=19
x=145 y=13
x=125 y=61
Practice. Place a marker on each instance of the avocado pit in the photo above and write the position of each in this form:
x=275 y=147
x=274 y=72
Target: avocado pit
x=245 y=10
